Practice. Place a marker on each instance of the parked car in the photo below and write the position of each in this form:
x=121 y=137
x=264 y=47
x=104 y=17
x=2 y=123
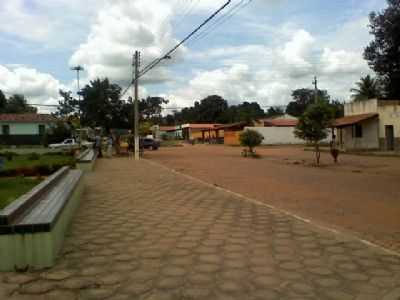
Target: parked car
x=149 y=143
x=70 y=144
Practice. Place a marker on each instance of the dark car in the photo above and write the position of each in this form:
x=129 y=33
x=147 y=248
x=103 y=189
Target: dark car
x=148 y=143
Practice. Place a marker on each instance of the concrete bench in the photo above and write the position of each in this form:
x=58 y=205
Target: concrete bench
x=33 y=227
x=86 y=160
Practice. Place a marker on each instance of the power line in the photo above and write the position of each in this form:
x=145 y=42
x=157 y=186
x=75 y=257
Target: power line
x=221 y=20
x=153 y=64
x=168 y=54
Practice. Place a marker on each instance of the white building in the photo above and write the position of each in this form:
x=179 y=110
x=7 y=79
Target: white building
x=370 y=125
x=24 y=129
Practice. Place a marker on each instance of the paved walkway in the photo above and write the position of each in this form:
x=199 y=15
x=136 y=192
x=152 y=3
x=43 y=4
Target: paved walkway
x=143 y=232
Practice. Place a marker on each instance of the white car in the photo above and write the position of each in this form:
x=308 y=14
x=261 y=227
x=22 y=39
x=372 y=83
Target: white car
x=69 y=144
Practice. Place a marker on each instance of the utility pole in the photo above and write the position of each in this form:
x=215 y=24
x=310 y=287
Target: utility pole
x=78 y=69
x=136 y=104
x=315 y=83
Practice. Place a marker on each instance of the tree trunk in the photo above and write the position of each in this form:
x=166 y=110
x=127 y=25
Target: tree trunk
x=317 y=154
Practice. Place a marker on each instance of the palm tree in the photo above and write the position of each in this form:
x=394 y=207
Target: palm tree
x=367 y=88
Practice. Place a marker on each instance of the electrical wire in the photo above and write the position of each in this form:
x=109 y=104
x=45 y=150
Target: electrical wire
x=221 y=20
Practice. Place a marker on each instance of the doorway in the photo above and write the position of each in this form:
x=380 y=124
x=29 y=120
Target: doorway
x=389 y=137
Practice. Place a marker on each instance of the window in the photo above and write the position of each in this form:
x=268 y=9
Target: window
x=6 y=129
x=42 y=129
x=357 y=131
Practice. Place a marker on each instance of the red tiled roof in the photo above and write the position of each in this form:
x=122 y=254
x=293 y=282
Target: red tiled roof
x=280 y=122
x=203 y=126
x=351 y=120
x=167 y=128
x=27 y=118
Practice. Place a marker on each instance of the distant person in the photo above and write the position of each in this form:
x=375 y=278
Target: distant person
x=109 y=146
x=97 y=145
x=131 y=144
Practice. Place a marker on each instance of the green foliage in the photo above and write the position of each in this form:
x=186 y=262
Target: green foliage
x=3 y=102
x=151 y=108
x=383 y=53
x=215 y=109
x=274 y=112
x=16 y=104
x=67 y=105
x=302 y=98
x=337 y=108
x=314 y=124
x=101 y=105
x=57 y=133
x=23 y=165
x=33 y=156
x=9 y=155
x=367 y=88
x=251 y=139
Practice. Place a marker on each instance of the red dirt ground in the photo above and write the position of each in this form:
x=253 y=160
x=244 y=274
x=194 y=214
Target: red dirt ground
x=360 y=194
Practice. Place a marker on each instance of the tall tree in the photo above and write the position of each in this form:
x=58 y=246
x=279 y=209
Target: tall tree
x=17 y=104
x=383 y=53
x=313 y=125
x=211 y=109
x=3 y=102
x=274 y=111
x=151 y=108
x=367 y=88
x=302 y=98
x=101 y=105
x=248 y=112
x=67 y=105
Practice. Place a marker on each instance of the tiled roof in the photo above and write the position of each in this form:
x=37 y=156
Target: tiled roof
x=167 y=128
x=280 y=122
x=202 y=126
x=351 y=120
x=27 y=118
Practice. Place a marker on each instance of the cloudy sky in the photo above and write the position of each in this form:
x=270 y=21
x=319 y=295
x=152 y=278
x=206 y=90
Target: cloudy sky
x=259 y=51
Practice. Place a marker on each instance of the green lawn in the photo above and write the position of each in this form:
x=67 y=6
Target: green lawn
x=19 y=161
x=12 y=188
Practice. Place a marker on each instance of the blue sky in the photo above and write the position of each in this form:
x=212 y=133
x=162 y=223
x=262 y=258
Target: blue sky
x=267 y=49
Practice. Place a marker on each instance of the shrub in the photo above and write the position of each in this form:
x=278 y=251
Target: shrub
x=9 y=155
x=251 y=139
x=33 y=156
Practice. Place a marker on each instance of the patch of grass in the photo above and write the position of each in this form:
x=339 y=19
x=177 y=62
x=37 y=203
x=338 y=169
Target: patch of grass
x=12 y=188
x=25 y=161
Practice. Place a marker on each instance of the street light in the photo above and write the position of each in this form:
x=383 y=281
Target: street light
x=79 y=69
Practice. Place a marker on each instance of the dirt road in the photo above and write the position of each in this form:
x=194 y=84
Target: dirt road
x=360 y=194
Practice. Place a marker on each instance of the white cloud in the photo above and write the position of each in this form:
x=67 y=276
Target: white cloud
x=268 y=74
x=35 y=86
x=121 y=28
x=342 y=62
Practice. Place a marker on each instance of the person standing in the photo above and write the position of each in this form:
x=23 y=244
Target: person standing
x=109 y=146
x=97 y=145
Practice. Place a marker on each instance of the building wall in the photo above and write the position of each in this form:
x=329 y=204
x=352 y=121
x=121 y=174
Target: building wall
x=22 y=128
x=389 y=114
x=368 y=141
x=361 y=107
x=232 y=137
x=277 y=135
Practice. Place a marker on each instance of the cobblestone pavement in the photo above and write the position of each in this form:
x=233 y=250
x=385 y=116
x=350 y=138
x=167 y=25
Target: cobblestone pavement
x=144 y=232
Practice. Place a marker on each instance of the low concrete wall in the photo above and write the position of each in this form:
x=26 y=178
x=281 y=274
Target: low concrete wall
x=38 y=250
x=278 y=135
